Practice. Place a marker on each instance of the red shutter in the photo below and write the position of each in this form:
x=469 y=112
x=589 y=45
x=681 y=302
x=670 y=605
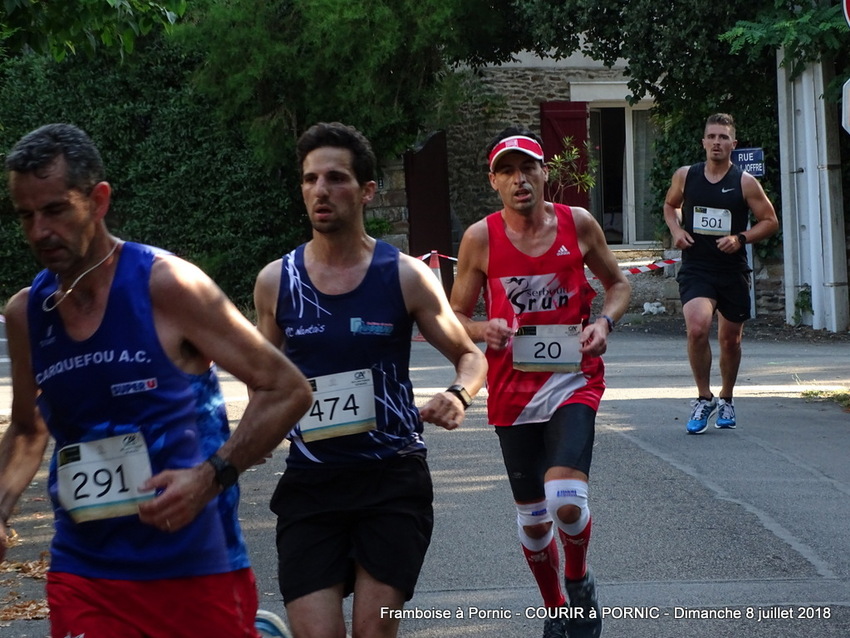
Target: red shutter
x=557 y=121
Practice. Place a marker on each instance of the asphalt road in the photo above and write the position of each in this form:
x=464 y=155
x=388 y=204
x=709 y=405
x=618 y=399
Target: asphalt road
x=729 y=534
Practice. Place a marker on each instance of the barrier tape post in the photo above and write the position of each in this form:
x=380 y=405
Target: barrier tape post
x=434 y=265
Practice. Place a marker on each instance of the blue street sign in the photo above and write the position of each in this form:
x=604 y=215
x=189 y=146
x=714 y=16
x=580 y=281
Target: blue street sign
x=750 y=160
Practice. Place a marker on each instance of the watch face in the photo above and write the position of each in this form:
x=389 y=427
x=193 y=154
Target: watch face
x=228 y=476
x=461 y=393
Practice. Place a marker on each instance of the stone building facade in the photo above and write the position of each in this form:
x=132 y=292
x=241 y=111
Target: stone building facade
x=512 y=94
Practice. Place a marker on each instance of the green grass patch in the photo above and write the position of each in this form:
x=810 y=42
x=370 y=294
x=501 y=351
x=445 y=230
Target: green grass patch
x=841 y=397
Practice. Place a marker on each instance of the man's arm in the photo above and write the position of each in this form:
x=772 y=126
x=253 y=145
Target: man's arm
x=427 y=303
x=207 y=325
x=673 y=210
x=602 y=263
x=23 y=444
x=266 y=290
x=473 y=256
x=766 y=222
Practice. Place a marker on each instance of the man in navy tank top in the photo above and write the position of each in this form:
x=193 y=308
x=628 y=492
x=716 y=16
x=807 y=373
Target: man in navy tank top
x=546 y=376
x=707 y=211
x=354 y=505
x=113 y=349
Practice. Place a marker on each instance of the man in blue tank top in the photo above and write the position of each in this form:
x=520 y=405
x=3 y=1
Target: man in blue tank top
x=707 y=211
x=112 y=351
x=354 y=505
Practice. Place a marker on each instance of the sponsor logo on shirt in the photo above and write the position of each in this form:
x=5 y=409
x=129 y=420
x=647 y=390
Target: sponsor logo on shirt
x=536 y=293
x=133 y=387
x=362 y=327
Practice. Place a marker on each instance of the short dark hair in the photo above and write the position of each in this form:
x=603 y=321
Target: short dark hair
x=338 y=135
x=38 y=149
x=721 y=118
x=510 y=132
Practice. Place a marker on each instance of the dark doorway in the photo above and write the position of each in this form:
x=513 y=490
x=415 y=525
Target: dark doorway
x=608 y=136
x=426 y=177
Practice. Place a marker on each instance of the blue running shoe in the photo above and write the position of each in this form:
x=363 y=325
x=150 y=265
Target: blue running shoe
x=587 y=617
x=725 y=415
x=703 y=409
x=270 y=625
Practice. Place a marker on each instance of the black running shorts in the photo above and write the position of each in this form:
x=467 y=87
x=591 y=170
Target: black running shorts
x=729 y=288
x=378 y=515
x=566 y=440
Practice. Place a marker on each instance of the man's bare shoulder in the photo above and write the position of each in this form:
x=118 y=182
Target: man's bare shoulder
x=477 y=232
x=408 y=265
x=16 y=308
x=175 y=278
x=580 y=213
x=750 y=183
x=270 y=272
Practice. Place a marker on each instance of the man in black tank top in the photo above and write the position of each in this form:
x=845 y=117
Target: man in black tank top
x=707 y=211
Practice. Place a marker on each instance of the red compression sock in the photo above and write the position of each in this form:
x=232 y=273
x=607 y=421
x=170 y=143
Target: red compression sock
x=575 y=552
x=544 y=566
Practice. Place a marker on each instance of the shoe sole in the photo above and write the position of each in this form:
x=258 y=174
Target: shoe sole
x=725 y=426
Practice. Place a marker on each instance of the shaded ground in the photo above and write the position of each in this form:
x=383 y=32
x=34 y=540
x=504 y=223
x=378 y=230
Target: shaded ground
x=768 y=328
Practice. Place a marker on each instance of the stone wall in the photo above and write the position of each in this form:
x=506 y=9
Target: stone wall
x=502 y=96
x=390 y=204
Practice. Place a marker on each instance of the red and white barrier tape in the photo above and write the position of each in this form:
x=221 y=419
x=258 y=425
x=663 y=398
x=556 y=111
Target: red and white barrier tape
x=634 y=270
x=434 y=253
x=658 y=265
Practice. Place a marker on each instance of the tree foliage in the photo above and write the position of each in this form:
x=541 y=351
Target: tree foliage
x=671 y=50
x=673 y=54
x=59 y=27
x=803 y=32
x=181 y=180
x=278 y=66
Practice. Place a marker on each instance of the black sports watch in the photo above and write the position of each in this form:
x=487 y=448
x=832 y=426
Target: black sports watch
x=742 y=239
x=226 y=474
x=460 y=392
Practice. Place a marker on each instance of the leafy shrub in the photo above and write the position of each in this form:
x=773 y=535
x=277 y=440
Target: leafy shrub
x=181 y=179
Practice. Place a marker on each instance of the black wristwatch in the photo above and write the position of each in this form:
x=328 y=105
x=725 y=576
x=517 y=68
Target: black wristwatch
x=742 y=239
x=226 y=474
x=460 y=392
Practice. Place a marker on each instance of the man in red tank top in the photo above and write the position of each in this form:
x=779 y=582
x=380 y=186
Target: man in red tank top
x=546 y=376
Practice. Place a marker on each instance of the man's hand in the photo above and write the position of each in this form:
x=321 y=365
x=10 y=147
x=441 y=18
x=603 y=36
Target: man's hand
x=729 y=244
x=497 y=334
x=181 y=495
x=594 y=339
x=444 y=410
x=681 y=239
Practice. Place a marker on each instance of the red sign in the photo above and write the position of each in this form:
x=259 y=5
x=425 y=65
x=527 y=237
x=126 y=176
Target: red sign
x=847 y=11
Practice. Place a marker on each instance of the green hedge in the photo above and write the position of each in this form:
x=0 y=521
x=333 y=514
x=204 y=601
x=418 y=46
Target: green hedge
x=182 y=180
